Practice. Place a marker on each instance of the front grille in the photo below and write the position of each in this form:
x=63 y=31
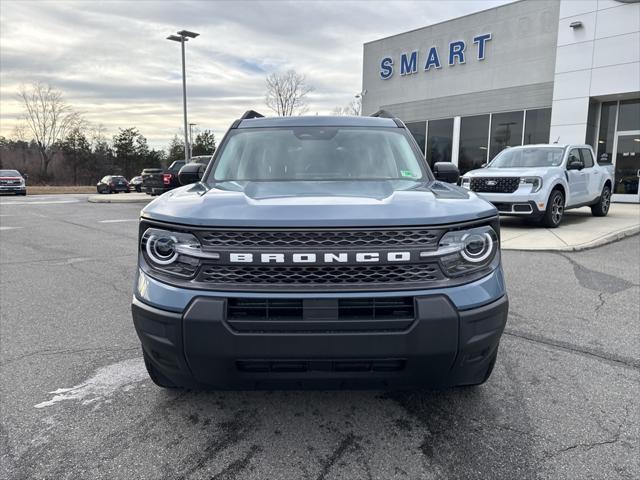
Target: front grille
x=327 y=315
x=321 y=275
x=495 y=184
x=424 y=238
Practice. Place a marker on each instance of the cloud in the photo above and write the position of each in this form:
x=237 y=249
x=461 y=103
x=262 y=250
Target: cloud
x=112 y=62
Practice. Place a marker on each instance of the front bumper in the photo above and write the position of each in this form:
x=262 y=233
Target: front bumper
x=13 y=189
x=154 y=190
x=443 y=345
x=520 y=204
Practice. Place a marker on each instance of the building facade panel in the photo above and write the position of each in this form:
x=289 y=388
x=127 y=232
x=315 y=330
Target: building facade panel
x=572 y=84
x=607 y=51
x=569 y=9
x=615 y=80
x=619 y=20
x=517 y=54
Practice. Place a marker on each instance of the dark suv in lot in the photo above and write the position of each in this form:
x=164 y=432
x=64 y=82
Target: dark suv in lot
x=319 y=252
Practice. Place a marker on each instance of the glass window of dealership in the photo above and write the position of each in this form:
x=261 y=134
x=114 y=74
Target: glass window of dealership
x=481 y=137
x=582 y=83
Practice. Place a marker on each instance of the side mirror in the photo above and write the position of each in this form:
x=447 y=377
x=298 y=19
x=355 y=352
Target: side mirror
x=575 y=164
x=191 y=173
x=446 y=172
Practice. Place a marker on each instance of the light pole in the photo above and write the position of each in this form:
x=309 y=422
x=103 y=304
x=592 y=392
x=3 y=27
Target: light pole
x=183 y=36
x=191 y=125
x=360 y=97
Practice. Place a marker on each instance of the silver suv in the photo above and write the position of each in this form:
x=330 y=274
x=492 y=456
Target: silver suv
x=542 y=181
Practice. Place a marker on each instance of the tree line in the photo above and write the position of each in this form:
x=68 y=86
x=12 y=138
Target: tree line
x=65 y=149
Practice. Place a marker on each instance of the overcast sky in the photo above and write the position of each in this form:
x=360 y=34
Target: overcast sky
x=113 y=64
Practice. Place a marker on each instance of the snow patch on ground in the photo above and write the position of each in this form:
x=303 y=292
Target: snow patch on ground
x=106 y=381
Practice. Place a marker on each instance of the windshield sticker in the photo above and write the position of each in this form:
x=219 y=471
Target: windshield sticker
x=407 y=173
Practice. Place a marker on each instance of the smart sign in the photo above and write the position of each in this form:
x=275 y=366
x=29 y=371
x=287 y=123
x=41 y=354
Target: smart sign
x=456 y=54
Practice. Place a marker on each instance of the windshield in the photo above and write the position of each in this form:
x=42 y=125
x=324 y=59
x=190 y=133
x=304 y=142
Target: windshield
x=9 y=173
x=317 y=153
x=529 y=157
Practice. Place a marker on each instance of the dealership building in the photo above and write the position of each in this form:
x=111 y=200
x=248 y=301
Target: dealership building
x=532 y=71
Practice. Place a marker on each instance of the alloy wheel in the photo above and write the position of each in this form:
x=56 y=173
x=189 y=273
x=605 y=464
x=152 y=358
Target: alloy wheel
x=557 y=208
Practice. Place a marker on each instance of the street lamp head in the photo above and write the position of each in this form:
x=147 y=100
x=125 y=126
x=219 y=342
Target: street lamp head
x=175 y=38
x=187 y=33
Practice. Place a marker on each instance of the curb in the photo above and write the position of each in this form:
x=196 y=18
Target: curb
x=120 y=198
x=598 y=242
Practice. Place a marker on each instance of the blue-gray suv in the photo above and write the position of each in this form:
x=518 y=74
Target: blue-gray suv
x=319 y=252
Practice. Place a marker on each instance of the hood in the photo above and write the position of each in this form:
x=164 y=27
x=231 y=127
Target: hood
x=318 y=204
x=509 y=172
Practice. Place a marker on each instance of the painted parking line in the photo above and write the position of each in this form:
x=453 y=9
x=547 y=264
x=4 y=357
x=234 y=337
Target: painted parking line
x=120 y=220
x=8 y=228
x=40 y=202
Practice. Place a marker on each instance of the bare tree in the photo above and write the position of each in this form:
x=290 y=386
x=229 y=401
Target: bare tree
x=352 y=109
x=48 y=118
x=19 y=133
x=286 y=93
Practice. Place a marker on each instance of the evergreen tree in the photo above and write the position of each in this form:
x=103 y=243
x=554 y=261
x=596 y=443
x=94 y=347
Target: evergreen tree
x=131 y=151
x=175 y=151
x=77 y=151
x=205 y=143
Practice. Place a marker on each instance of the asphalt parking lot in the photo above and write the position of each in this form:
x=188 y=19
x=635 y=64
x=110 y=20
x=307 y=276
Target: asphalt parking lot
x=77 y=403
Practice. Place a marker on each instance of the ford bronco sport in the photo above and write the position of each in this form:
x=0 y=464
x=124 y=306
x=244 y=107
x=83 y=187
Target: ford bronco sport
x=319 y=252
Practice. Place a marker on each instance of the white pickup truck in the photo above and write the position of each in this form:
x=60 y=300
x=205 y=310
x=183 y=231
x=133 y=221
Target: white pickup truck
x=541 y=181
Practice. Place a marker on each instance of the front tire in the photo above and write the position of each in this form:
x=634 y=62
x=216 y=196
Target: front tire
x=555 y=210
x=601 y=208
x=155 y=376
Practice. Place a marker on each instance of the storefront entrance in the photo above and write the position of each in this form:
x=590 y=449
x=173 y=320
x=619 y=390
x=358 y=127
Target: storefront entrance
x=618 y=143
x=627 y=166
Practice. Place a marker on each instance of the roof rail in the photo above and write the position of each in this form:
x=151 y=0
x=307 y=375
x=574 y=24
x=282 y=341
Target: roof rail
x=382 y=114
x=251 y=114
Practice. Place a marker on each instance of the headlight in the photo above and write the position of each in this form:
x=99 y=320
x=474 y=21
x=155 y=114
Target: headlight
x=466 y=251
x=535 y=182
x=175 y=253
x=466 y=181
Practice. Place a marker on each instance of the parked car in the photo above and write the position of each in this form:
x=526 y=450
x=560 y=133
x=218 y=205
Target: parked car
x=113 y=184
x=151 y=177
x=11 y=181
x=136 y=183
x=320 y=252
x=156 y=181
x=540 y=182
